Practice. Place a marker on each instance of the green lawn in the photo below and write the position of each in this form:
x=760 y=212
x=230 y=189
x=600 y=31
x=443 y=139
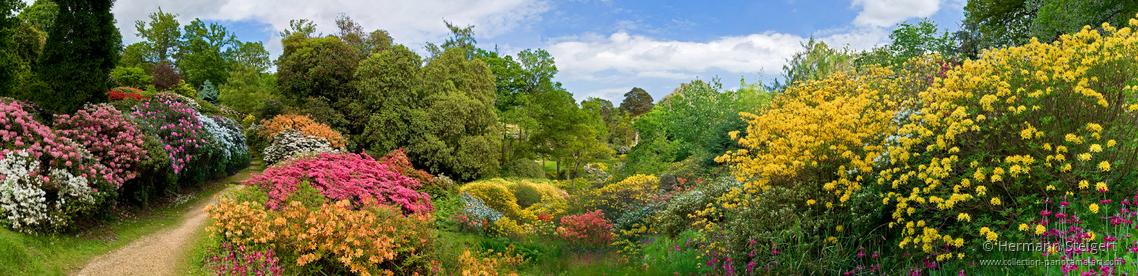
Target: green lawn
x=62 y=254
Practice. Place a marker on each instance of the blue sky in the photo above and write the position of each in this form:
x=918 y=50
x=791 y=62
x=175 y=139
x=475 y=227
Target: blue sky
x=602 y=48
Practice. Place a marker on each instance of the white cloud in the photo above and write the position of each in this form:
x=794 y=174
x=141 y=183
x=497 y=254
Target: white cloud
x=409 y=22
x=885 y=13
x=611 y=59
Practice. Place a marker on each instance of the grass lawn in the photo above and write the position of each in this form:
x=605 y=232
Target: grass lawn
x=62 y=254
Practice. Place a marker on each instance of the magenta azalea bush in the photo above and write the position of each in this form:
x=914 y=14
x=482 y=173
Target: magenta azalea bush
x=45 y=180
x=108 y=135
x=176 y=125
x=348 y=176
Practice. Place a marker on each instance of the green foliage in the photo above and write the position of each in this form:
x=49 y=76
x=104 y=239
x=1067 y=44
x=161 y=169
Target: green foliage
x=201 y=57
x=8 y=60
x=636 y=102
x=40 y=14
x=131 y=77
x=523 y=168
x=816 y=61
x=82 y=48
x=364 y=44
x=315 y=67
x=247 y=56
x=1015 y=22
x=441 y=113
x=155 y=178
x=246 y=90
x=162 y=38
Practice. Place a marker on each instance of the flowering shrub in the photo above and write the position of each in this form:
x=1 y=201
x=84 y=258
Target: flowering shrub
x=397 y=159
x=176 y=125
x=590 y=229
x=45 y=180
x=475 y=215
x=228 y=136
x=282 y=122
x=332 y=238
x=1000 y=131
x=235 y=260
x=123 y=93
x=490 y=263
x=630 y=194
x=292 y=142
x=353 y=177
x=498 y=198
x=167 y=96
x=108 y=135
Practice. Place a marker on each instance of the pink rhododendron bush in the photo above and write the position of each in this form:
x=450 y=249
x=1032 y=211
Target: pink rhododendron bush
x=46 y=180
x=353 y=177
x=113 y=139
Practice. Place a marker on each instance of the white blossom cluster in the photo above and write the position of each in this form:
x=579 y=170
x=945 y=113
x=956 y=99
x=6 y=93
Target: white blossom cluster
x=477 y=210
x=229 y=137
x=292 y=142
x=23 y=198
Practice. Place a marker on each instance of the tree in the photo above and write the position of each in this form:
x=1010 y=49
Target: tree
x=636 y=102
x=816 y=60
x=248 y=56
x=245 y=91
x=364 y=44
x=461 y=37
x=1015 y=22
x=9 y=62
x=165 y=76
x=82 y=48
x=163 y=35
x=208 y=92
x=40 y=14
x=441 y=113
x=131 y=77
x=201 y=56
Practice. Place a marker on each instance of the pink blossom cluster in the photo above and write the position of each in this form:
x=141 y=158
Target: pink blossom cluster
x=176 y=125
x=590 y=228
x=109 y=136
x=353 y=177
x=21 y=133
x=239 y=260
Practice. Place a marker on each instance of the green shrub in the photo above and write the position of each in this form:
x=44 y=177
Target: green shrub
x=523 y=168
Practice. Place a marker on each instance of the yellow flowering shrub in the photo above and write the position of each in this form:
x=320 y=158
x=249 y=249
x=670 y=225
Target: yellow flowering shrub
x=629 y=194
x=813 y=150
x=489 y=263
x=1015 y=125
x=497 y=197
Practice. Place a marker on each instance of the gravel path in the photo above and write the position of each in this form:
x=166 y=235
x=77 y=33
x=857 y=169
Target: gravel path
x=159 y=253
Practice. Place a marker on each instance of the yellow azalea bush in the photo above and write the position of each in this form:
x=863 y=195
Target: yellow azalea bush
x=1009 y=128
x=499 y=198
x=329 y=237
x=629 y=194
x=489 y=263
x=819 y=142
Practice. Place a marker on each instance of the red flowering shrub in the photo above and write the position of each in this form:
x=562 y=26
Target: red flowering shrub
x=588 y=229
x=124 y=93
x=349 y=176
x=112 y=138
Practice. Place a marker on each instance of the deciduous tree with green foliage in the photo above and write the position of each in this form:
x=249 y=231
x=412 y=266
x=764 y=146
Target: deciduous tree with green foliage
x=636 y=102
x=202 y=55
x=162 y=35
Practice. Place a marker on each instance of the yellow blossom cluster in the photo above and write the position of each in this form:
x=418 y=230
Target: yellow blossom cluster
x=1017 y=121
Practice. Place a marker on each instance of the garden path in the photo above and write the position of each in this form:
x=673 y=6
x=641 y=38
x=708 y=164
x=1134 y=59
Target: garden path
x=164 y=252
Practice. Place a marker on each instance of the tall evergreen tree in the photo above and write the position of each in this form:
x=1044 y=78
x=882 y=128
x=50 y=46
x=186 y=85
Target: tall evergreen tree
x=8 y=61
x=82 y=48
x=636 y=102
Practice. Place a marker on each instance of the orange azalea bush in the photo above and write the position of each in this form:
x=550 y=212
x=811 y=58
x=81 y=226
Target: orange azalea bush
x=307 y=126
x=331 y=236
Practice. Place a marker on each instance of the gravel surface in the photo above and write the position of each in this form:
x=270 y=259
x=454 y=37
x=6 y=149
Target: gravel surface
x=160 y=253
